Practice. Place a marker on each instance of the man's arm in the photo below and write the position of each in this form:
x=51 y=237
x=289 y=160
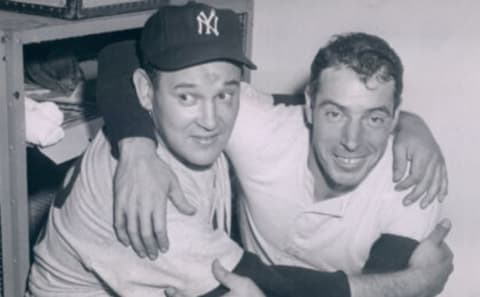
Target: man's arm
x=402 y=228
x=278 y=281
x=426 y=275
x=428 y=271
x=427 y=175
x=429 y=268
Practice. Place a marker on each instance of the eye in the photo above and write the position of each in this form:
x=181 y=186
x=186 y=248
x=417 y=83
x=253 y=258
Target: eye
x=333 y=115
x=225 y=96
x=377 y=120
x=187 y=99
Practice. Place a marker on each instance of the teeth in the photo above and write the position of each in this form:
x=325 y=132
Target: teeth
x=205 y=140
x=350 y=161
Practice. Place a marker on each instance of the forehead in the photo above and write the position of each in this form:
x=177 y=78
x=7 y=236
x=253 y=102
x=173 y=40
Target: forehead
x=343 y=86
x=204 y=75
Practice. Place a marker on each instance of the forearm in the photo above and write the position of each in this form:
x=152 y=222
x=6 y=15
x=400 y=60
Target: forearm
x=276 y=280
x=406 y=283
x=133 y=147
x=123 y=119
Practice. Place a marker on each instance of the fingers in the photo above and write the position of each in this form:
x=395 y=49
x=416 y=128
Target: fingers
x=159 y=219
x=222 y=275
x=433 y=189
x=133 y=234
x=440 y=232
x=229 y=279
x=422 y=177
x=400 y=161
x=160 y=225
x=147 y=236
x=143 y=227
x=178 y=197
x=417 y=169
x=119 y=218
x=120 y=224
x=239 y=286
x=448 y=252
x=443 y=185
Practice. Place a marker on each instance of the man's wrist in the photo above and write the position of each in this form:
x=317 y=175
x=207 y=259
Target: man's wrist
x=136 y=147
x=405 y=283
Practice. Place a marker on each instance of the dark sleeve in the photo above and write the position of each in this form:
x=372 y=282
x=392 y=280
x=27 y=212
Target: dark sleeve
x=116 y=97
x=287 y=281
x=390 y=253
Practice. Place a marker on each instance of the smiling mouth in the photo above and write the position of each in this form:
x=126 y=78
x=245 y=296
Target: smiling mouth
x=205 y=140
x=349 y=162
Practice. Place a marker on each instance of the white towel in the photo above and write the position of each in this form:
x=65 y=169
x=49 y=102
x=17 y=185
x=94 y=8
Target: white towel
x=43 y=123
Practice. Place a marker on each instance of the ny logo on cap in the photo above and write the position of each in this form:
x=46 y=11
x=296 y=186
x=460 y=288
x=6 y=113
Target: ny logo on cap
x=207 y=24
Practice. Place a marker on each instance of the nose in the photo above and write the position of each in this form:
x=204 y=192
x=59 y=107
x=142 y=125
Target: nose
x=208 y=115
x=351 y=135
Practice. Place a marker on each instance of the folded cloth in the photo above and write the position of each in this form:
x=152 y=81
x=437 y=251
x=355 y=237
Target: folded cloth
x=43 y=123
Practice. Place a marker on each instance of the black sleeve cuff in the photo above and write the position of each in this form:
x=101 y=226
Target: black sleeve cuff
x=217 y=292
x=286 y=281
x=308 y=283
x=116 y=96
x=390 y=253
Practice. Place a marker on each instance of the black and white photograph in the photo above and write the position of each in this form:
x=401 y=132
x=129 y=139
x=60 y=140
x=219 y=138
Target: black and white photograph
x=257 y=148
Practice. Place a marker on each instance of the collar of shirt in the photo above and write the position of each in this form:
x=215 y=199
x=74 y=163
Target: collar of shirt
x=337 y=206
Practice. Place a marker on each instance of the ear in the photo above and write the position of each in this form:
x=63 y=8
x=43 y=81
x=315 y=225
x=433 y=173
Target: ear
x=144 y=88
x=307 y=108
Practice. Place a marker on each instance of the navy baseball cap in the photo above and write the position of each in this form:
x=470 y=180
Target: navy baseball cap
x=176 y=37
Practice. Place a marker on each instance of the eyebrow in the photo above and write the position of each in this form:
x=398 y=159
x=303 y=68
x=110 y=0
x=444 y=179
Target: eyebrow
x=381 y=109
x=184 y=86
x=330 y=102
x=232 y=82
x=344 y=108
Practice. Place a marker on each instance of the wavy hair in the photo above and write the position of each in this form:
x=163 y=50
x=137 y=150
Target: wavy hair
x=368 y=55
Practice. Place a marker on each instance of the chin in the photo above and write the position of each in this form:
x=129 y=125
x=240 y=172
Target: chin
x=202 y=161
x=346 y=183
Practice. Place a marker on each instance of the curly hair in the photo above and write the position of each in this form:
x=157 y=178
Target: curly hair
x=368 y=55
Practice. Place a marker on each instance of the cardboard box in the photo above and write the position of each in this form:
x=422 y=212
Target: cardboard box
x=79 y=9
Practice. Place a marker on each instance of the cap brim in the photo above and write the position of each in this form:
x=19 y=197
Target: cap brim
x=180 y=58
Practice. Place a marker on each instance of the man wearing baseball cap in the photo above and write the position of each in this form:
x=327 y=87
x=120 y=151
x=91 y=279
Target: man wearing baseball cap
x=189 y=85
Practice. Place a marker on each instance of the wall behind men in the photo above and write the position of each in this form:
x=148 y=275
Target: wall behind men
x=439 y=42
